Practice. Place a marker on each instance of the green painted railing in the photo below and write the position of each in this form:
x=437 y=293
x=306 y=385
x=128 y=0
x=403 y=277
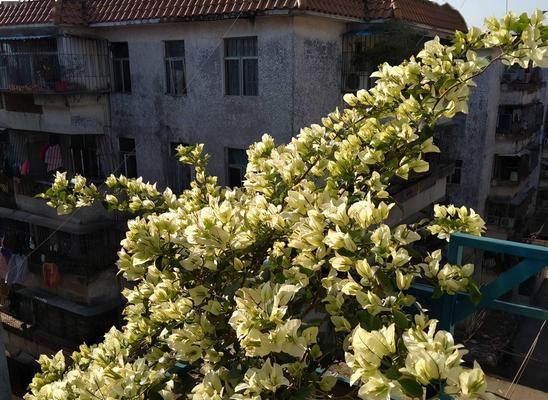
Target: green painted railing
x=452 y=309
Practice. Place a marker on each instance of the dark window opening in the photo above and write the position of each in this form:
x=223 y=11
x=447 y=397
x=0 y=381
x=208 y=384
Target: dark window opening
x=175 y=66
x=455 y=178
x=128 y=157
x=85 y=159
x=120 y=67
x=237 y=164
x=179 y=174
x=241 y=67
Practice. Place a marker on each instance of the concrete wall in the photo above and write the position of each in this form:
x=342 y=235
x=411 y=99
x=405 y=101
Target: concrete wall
x=299 y=75
x=62 y=113
x=472 y=140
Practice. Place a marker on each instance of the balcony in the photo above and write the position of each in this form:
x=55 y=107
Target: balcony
x=57 y=84
x=420 y=192
x=54 y=65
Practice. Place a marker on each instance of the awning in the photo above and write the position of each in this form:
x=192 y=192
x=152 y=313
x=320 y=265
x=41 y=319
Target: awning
x=63 y=223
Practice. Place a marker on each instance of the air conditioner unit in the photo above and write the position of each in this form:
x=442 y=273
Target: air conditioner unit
x=507 y=222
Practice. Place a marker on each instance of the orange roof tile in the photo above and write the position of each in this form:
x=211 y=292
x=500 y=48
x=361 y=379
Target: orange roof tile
x=423 y=12
x=25 y=12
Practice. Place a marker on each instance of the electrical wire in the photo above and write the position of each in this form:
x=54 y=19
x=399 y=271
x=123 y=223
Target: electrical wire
x=523 y=366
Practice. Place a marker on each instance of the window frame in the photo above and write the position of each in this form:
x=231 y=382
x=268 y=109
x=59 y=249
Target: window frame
x=230 y=166
x=118 y=63
x=79 y=154
x=240 y=60
x=171 y=60
x=125 y=155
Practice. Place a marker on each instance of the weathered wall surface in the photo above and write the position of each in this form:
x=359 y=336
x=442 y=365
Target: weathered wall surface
x=472 y=140
x=318 y=64
x=299 y=77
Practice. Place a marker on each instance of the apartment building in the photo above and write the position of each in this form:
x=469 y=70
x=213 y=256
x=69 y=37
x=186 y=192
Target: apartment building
x=112 y=86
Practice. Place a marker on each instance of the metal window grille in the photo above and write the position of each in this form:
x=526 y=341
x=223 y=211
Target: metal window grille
x=241 y=67
x=175 y=66
x=57 y=64
x=120 y=67
x=84 y=156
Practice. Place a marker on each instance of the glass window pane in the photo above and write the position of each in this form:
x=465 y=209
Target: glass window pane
x=251 y=75
x=231 y=47
x=175 y=48
x=169 y=80
x=120 y=50
x=127 y=76
x=237 y=157
x=232 y=77
x=249 y=47
x=117 y=69
x=178 y=72
x=234 y=177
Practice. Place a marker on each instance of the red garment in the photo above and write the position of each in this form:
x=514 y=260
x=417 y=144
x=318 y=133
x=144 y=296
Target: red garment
x=25 y=168
x=42 y=153
x=50 y=274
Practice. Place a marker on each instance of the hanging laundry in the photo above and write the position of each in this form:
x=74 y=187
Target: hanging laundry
x=50 y=274
x=25 y=168
x=53 y=158
x=18 y=268
x=42 y=152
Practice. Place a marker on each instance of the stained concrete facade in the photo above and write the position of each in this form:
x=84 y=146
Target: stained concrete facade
x=299 y=82
x=476 y=140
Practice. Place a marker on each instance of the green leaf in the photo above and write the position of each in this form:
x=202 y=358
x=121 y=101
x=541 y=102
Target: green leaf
x=411 y=387
x=302 y=394
x=401 y=320
x=475 y=293
x=437 y=293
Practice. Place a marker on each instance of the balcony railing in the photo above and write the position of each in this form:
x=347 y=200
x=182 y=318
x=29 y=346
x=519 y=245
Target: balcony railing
x=52 y=72
x=452 y=309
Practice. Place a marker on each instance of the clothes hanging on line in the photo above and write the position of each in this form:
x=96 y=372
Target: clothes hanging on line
x=50 y=274
x=18 y=268
x=53 y=158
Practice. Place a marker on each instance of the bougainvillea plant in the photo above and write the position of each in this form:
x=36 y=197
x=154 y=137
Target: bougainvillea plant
x=259 y=290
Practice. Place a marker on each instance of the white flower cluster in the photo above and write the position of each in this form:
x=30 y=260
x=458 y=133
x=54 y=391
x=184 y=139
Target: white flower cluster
x=260 y=290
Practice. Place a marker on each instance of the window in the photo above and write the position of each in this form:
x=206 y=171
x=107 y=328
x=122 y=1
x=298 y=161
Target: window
x=84 y=157
x=120 y=67
x=237 y=163
x=175 y=66
x=241 y=67
x=179 y=174
x=128 y=158
x=455 y=178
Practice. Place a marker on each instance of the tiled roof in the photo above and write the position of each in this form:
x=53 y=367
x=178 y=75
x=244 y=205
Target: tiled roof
x=26 y=12
x=95 y=11
x=424 y=12
x=126 y=10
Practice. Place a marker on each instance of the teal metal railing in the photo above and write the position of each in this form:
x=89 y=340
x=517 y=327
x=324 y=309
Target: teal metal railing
x=451 y=309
